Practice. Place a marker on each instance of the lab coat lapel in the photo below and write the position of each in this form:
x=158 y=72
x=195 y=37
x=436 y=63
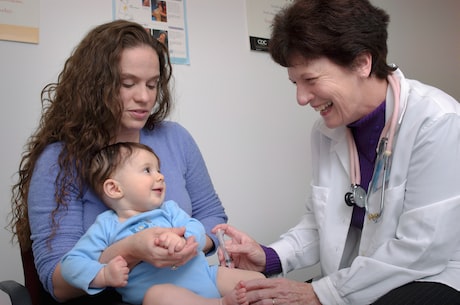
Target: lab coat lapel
x=339 y=145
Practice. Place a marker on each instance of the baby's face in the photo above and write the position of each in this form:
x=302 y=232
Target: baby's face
x=142 y=182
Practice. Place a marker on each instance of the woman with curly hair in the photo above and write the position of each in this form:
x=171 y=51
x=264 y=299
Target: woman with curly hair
x=113 y=88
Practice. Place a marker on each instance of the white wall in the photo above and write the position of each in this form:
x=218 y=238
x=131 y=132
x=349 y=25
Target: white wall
x=239 y=106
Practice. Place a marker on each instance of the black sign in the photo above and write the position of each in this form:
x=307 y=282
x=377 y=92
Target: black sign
x=259 y=44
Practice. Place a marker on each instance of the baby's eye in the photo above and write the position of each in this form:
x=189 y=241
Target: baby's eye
x=147 y=170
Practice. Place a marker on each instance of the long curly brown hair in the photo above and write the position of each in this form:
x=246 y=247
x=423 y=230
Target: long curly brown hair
x=83 y=111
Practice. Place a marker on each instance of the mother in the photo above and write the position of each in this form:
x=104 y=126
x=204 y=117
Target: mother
x=113 y=88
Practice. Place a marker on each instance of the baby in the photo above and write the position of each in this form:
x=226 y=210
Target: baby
x=127 y=178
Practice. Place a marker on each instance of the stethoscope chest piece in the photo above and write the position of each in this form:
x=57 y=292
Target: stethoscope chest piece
x=357 y=196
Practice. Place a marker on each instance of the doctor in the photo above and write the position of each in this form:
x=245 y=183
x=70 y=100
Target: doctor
x=383 y=215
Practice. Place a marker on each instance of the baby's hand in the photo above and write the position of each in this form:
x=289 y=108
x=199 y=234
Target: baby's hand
x=171 y=241
x=116 y=272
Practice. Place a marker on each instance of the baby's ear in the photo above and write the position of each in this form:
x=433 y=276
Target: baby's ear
x=112 y=189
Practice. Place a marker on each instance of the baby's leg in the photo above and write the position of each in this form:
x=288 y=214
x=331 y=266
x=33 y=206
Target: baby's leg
x=168 y=294
x=228 y=278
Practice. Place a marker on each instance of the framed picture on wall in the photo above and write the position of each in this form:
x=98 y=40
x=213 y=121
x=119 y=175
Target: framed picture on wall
x=19 y=20
x=165 y=20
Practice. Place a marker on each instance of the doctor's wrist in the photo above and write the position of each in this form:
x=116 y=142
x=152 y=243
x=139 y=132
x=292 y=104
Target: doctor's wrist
x=272 y=261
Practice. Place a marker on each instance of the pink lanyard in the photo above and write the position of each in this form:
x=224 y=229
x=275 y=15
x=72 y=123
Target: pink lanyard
x=358 y=196
x=355 y=170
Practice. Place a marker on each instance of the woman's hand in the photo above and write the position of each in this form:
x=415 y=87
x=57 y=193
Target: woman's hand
x=245 y=252
x=141 y=247
x=279 y=291
x=150 y=252
x=170 y=241
x=134 y=249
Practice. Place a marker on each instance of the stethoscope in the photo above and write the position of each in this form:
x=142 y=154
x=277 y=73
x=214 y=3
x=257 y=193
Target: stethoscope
x=357 y=195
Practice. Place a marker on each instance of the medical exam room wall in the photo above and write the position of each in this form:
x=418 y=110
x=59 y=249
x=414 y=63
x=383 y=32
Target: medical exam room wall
x=239 y=106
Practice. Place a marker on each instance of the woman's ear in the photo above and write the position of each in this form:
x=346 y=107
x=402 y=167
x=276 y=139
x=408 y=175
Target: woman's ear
x=363 y=64
x=112 y=189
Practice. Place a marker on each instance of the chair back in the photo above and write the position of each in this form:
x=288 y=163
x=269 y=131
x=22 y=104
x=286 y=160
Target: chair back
x=31 y=280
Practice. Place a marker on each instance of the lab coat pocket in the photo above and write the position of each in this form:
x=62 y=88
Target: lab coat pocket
x=379 y=230
x=391 y=207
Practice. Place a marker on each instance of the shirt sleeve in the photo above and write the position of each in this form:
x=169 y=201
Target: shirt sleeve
x=206 y=204
x=272 y=261
x=49 y=246
x=86 y=253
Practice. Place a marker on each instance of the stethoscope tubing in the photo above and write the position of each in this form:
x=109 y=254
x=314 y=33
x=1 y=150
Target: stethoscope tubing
x=387 y=135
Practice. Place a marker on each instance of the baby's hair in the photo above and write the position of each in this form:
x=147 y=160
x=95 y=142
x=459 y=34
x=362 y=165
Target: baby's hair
x=107 y=160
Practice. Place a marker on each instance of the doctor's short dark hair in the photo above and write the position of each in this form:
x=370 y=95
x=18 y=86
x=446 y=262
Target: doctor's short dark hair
x=108 y=160
x=339 y=30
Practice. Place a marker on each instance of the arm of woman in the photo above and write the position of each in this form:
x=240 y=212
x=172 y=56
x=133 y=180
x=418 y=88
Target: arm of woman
x=244 y=251
x=280 y=291
x=189 y=183
x=247 y=254
x=141 y=247
x=206 y=205
x=63 y=291
x=51 y=240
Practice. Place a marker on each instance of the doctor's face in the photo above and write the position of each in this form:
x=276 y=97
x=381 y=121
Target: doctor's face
x=331 y=90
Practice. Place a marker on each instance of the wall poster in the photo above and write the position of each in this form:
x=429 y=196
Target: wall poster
x=19 y=20
x=260 y=14
x=164 y=19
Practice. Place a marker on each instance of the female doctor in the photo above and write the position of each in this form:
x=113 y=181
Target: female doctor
x=383 y=215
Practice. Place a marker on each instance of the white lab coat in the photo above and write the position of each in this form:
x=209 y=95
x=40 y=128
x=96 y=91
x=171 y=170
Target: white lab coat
x=418 y=234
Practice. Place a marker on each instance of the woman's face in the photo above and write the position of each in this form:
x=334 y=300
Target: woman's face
x=332 y=90
x=140 y=72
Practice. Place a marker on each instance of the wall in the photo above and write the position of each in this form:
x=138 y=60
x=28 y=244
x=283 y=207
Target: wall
x=239 y=106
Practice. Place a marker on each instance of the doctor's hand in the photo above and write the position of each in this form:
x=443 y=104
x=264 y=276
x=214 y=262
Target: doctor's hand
x=244 y=251
x=279 y=291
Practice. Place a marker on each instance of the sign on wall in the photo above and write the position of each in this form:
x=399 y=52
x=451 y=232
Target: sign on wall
x=260 y=14
x=165 y=20
x=19 y=20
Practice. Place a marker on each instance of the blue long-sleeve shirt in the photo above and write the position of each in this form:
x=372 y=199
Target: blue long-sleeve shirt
x=185 y=173
x=80 y=266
